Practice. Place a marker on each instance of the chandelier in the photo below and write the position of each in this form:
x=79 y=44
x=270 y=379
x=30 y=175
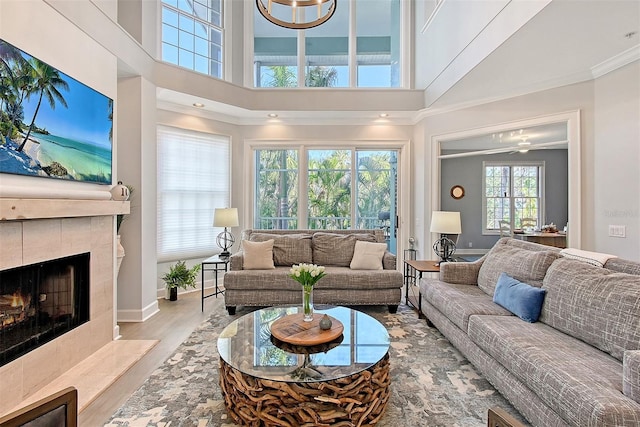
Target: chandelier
x=322 y=10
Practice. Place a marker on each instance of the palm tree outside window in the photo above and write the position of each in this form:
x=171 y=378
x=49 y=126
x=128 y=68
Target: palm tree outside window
x=327 y=189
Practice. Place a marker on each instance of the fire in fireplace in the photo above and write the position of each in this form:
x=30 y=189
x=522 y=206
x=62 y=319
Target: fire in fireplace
x=40 y=302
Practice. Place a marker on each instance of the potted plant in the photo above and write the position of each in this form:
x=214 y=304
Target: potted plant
x=179 y=276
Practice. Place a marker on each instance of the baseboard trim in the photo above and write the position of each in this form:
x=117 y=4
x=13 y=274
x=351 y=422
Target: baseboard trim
x=209 y=285
x=138 y=315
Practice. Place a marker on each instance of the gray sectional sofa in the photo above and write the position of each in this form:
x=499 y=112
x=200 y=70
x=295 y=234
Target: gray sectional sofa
x=579 y=364
x=332 y=249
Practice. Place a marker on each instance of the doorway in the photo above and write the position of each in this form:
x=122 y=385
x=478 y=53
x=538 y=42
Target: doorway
x=558 y=131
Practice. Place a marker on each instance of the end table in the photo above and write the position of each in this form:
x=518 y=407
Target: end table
x=216 y=264
x=413 y=267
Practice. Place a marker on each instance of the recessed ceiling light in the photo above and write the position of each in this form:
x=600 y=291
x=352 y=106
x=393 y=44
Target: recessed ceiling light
x=383 y=115
x=524 y=143
x=198 y=104
x=272 y=115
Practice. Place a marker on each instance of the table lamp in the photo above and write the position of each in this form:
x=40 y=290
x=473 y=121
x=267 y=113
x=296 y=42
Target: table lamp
x=445 y=223
x=225 y=217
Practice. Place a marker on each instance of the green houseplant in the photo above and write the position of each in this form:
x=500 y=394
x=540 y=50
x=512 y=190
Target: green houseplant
x=179 y=276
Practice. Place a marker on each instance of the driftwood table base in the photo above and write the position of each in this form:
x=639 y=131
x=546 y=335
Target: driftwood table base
x=355 y=400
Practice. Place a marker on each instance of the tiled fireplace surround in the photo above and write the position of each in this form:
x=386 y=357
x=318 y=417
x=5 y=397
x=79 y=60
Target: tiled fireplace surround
x=87 y=227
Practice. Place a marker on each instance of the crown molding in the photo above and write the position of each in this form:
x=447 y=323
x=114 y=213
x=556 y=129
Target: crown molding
x=618 y=61
x=291 y=118
x=527 y=90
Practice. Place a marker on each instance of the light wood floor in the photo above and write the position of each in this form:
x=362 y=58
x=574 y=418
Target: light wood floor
x=172 y=325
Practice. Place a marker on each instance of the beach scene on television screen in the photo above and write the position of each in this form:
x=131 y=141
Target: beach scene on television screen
x=51 y=125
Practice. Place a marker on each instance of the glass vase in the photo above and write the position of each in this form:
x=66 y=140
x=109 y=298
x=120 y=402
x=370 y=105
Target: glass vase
x=307 y=302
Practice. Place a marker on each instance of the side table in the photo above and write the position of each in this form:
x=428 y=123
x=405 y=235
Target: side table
x=417 y=267
x=215 y=264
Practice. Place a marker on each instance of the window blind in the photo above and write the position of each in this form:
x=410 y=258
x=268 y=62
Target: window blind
x=193 y=180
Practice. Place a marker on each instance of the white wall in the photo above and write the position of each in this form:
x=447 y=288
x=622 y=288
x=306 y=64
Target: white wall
x=610 y=140
x=443 y=56
x=564 y=99
x=244 y=137
x=137 y=296
x=616 y=172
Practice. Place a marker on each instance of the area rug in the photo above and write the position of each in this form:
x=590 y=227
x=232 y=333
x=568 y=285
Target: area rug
x=432 y=383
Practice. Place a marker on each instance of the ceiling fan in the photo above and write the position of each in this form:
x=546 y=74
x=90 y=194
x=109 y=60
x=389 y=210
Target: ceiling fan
x=511 y=150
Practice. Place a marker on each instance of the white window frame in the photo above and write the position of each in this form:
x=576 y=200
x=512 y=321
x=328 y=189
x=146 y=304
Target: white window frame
x=541 y=193
x=224 y=68
x=250 y=75
x=191 y=184
x=303 y=173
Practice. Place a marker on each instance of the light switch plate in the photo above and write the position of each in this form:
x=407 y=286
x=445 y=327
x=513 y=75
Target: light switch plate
x=617 y=231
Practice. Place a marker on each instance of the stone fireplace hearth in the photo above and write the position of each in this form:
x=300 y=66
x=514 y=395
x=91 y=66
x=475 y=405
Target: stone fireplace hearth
x=33 y=231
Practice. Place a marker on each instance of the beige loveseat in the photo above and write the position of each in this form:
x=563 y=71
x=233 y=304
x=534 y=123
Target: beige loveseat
x=332 y=249
x=579 y=364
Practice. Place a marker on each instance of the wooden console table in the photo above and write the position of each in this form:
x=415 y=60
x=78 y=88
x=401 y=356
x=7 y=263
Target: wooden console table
x=557 y=240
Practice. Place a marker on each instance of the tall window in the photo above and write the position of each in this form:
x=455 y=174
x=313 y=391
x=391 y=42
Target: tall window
x=329 y=183
x=376 y=188
x=327 y=189
x=343 y=52
x=276 y=203
x=193 y=180
x=512 y=191
x=192 y=35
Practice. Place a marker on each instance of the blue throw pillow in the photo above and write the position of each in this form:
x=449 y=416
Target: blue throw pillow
x=525 y=301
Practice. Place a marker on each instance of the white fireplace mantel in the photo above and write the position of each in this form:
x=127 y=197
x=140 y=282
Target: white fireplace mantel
x=24 y=209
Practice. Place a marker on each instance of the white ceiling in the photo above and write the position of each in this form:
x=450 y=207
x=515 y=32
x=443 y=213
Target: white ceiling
x=552 y=135
x=569 y=41
x=563 y=44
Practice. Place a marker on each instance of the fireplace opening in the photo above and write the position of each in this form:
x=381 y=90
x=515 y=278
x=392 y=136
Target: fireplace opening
x=40 y=302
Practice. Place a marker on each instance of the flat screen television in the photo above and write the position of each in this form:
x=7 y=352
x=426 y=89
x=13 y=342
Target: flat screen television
x=51 y=125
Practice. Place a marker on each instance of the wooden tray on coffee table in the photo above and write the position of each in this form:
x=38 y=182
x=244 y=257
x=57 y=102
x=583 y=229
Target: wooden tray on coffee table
x=293 y=329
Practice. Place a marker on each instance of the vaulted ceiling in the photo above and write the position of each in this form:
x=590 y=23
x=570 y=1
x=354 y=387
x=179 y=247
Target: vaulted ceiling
x=560 y=43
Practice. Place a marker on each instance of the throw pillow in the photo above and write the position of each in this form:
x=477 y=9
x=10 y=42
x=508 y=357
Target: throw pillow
x=336 y=249
x=257 y=255
x=288 y=249
x=368 y=256
x=525 y=301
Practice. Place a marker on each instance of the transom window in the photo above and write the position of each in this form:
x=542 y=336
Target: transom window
x=343 y=52
x=192 y=35
x=511 y=192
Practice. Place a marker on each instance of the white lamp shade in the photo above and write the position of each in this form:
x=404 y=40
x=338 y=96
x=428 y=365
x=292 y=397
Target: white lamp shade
x=446 y=222
x=225 y=217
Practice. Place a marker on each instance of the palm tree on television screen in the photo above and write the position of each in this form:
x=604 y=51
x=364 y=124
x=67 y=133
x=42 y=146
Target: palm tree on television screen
x=46 y=81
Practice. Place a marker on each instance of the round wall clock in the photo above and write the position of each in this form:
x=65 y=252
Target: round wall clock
x=457 y=192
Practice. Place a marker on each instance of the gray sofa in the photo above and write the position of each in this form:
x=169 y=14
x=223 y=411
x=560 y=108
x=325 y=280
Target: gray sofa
x=331 y=248
x=579 y=364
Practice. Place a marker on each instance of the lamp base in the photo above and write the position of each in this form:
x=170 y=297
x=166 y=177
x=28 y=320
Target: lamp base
x=444 y=249
x=225 y=240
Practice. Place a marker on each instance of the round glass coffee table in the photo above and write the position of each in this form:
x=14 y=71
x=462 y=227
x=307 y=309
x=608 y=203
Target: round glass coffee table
x=265 y=381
